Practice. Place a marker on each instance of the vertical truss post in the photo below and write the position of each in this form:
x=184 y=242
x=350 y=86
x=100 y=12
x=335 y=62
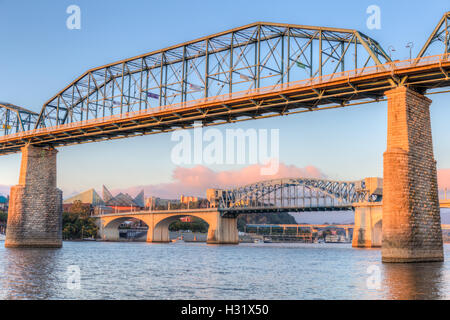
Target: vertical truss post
x=447 y=38
x=161 y=79
x=206 y=68
x=320 y=52
x=282 y=59
x=140 y=84
x=311 y=60
x=121 y=89
x=258 y=71
x=288 y=54
x=104 y=91
x=183 y=76
x=230 y=83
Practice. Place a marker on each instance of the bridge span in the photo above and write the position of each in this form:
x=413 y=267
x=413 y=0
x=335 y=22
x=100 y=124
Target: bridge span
x=256 y=71
x=222 y=228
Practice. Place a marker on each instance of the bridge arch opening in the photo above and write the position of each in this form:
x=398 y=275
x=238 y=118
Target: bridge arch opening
x=161 y=231
x=125 y=229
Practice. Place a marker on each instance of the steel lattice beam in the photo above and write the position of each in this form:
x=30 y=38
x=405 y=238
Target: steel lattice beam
x=15 y=119
x=439 y=40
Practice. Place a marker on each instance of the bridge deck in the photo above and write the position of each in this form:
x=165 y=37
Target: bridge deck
x=339 y=89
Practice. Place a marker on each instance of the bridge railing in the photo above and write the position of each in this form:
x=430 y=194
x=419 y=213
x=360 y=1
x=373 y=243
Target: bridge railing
x=387 y=67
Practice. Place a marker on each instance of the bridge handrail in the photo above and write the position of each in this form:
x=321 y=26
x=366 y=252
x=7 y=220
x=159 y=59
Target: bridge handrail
x=387 y=67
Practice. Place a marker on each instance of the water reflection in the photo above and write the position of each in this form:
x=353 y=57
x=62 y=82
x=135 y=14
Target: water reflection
x=28 y=273
x=407 y=281
x=199 y=271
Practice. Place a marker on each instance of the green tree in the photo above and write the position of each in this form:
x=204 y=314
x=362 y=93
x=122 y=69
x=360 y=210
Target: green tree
x=77 y=224
x=197 y=225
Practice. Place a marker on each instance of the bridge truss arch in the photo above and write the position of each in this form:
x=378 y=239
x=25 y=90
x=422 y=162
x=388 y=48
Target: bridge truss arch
x=294 y=194
x=257 y=55
x=439 y=40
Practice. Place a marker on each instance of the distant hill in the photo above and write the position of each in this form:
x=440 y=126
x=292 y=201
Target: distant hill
x=264 y=218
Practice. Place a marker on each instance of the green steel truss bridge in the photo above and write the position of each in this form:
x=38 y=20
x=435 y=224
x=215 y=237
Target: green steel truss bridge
x=256 y=71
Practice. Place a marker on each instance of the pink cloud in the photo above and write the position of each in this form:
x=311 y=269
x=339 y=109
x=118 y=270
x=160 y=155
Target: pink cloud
x=194 y=181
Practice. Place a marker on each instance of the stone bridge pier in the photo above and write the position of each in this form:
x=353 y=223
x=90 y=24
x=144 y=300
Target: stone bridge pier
x=35 y=211
x=411 y=215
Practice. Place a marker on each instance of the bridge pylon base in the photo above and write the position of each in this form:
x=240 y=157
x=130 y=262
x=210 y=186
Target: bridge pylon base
x=224 y=232
x=367 y=232
x=411 y=215
x=35 y=211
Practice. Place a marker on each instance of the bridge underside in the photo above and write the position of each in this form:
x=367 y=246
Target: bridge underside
x=337 y=90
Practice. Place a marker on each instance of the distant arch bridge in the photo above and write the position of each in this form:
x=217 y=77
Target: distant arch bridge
x=295 y=195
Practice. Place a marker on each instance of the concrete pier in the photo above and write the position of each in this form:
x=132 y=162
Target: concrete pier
x=368 y=225
x=35 y=211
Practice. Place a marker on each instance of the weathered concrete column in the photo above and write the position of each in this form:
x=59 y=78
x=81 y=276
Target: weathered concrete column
x=35 y=212
x=224 y=231
x=367 y=232
x=159 y=233
x=411 y=218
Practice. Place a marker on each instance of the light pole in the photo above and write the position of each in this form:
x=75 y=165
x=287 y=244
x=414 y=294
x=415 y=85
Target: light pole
x=391 y=49
x=410 y=45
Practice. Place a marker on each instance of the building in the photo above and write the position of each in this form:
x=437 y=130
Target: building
x=4 y=201
x=108 y=203
x=186 y=200
x=89 y=197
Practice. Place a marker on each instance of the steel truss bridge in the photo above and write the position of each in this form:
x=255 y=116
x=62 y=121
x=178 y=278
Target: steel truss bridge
x=255 y=71
x=293 y=195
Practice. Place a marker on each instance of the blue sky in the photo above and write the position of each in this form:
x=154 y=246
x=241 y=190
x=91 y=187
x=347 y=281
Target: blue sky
x=40 y=56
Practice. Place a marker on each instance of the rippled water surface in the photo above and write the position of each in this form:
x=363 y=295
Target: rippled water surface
x=200 y=271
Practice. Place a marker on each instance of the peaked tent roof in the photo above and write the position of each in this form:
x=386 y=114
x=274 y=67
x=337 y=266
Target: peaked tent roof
x=140 y=199
x=90 y=196
x=123 y=200
x=107 y=196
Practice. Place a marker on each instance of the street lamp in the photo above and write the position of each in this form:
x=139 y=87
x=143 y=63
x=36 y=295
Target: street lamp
x=410 y=45
x=391 y=49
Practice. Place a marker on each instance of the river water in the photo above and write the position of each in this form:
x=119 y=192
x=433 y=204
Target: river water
x=180 y=270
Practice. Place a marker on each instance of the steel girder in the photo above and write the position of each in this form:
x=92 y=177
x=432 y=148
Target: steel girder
x=295 y=193
x=440 y=36
x=249 y=57
x=15 y=119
